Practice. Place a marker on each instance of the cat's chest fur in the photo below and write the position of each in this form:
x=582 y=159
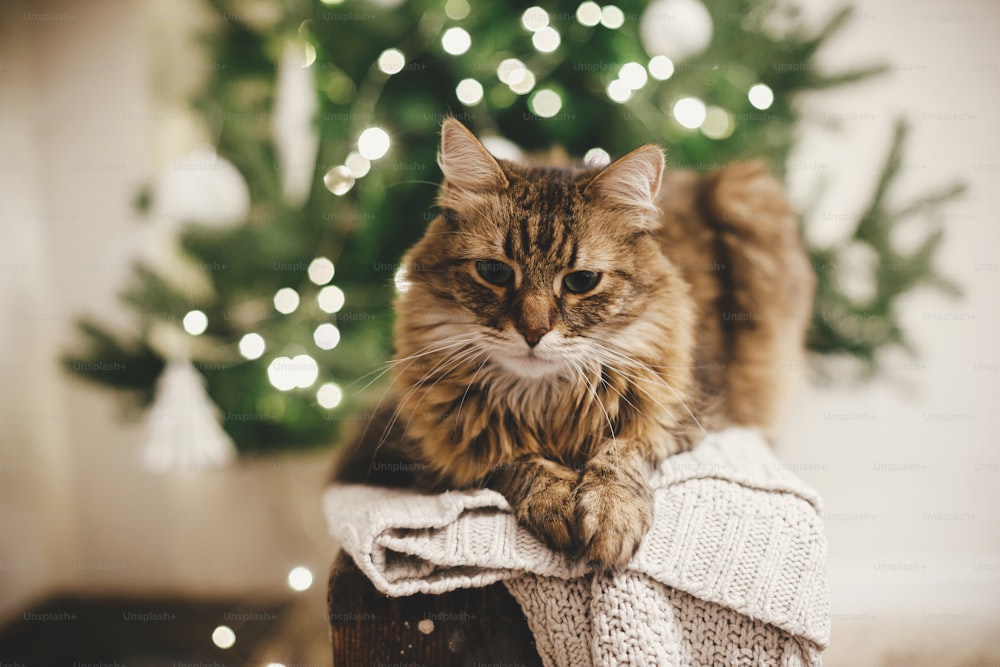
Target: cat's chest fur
x=482 y=425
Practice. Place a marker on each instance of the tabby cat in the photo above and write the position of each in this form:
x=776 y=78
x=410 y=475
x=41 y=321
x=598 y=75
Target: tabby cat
x=565 y=329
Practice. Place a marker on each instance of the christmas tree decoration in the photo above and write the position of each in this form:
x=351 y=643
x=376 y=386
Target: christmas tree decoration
x=203 y=188
x=182 y=424
x=328 y=116
x=294 y=129
x=677 y=29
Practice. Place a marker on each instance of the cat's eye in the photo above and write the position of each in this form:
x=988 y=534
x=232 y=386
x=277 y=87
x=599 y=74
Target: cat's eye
x=579 y=282
x=494 y=272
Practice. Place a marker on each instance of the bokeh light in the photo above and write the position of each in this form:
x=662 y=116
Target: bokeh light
x=469 y=92
x=300 y=578
x=619 y=92
x=329 y=395
x=223 y=636
x=456 y=41
x=690 y=112
x=761 y=96
x=534 y=19
x=545 y=103
x=286 y=300
x=612 y=17
x=588 y=14
x=326 y=336
x=661 y=67
x=373 y=143
x=633 y=75
x=330 y=299
x=195 y=322
x=252 y=346
x=391 y=61
x=339 y=180
x=546 y=40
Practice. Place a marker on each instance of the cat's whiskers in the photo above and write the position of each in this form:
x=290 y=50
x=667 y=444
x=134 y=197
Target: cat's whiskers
x=445 y=345
x=631 y=362
x=581 y=371
x=444 y=365
x=389 y=365
x=472 y=382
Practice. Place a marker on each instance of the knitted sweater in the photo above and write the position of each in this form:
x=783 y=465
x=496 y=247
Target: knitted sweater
x=731 y=573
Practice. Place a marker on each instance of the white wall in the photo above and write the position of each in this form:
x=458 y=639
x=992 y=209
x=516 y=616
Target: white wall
x=910 y=471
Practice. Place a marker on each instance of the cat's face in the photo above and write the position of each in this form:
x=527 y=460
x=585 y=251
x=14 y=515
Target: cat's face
x=536 y=271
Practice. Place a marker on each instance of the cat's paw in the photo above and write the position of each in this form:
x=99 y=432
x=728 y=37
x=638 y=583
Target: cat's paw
x=548 y=513
x=613 y=515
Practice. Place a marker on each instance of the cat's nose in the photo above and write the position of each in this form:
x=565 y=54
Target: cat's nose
x=532 y=336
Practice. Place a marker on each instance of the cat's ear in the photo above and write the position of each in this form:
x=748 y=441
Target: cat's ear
x=631 y=181
x=466 y=164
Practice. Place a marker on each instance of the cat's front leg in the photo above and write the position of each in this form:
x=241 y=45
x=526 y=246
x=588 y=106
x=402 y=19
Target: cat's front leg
x=541 y=493
x=614 y=506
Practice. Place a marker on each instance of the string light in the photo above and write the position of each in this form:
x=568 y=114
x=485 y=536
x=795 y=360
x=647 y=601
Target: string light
x=596 y=157
x=300 y=579
x=761 y=96
x=357 y=164
x=633 y=75
x=373 y=143
x=546 y=39
x=690 y=112
x=321 y=271
x=612 y=17
x=330 y=299
x=279 y=375
x=619 y=92
x=195 y=322
x=391 y=61
x=661 y=67
x=329 y=395
x=534 y=19
x=339 y=180
x=588 y=14
x=286 y=300
x=718 y=123
x=286 y=373
x=469 y=92
x=223 y=636
x=252 y=346
x=326 y=336
x=510 y=70
x=456 y=41
x=456 y=9
x=545 y=103
x=524 y=85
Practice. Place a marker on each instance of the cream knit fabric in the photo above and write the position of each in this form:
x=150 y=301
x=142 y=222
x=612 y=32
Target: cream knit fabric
x=731 y=573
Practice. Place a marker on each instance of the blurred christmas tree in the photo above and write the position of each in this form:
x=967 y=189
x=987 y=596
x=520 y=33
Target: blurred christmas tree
x=330 y=112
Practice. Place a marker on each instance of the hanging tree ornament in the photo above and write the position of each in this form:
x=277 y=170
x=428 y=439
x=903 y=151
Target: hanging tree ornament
x=182 y=424
x=201 y=187
x=677 y=29
x=183 y=431
x=294 y=128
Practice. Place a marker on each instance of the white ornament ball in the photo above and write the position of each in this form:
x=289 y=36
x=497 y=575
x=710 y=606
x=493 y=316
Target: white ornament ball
x=677 y=29
x=203 y=188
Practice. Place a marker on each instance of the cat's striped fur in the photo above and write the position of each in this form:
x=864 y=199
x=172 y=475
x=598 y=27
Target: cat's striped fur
x=562 y=401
